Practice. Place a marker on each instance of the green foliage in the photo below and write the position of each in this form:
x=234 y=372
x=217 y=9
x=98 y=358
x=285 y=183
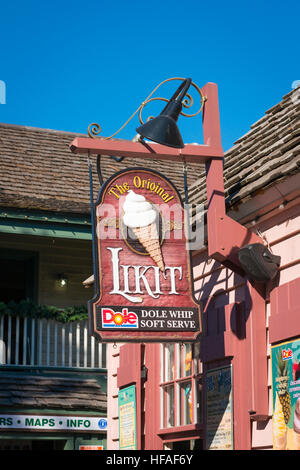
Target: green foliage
x=27 y=308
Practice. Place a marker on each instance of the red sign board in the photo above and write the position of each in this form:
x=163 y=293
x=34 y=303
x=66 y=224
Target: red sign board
x=143 y=276
x=90 y=447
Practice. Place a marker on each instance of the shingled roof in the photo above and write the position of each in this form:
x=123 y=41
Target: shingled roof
x=39 y=171
x=267 y=154
x=25 y=391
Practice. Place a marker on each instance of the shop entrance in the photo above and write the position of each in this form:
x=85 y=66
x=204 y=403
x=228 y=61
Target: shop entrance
x=52 y=442
x=36 y=444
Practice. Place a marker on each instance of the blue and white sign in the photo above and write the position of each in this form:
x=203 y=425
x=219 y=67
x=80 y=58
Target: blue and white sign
x=102 y=423
x=53 y=423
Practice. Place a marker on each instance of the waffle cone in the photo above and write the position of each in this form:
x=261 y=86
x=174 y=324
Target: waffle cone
x=280 y=441
x=297 y=440
x=149 y=238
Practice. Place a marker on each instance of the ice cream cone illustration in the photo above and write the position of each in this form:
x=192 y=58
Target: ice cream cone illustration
x=279 y=427
x=297 y=440
x=297 y=425
x=140 y=216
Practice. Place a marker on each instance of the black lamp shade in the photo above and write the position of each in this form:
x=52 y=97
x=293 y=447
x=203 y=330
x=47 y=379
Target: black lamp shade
x=163 y=129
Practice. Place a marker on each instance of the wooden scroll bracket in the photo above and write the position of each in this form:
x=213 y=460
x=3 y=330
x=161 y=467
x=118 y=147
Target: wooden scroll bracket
x=225 y=235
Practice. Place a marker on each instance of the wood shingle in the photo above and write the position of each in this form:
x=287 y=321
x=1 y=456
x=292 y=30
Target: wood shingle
x=51 y=392
x=268 y=153
x=39 y=171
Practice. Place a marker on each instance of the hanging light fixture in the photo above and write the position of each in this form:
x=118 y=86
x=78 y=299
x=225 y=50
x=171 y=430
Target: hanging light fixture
x=163 y=129
x=62 y=280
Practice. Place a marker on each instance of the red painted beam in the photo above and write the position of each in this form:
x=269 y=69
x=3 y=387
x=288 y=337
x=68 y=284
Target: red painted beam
x=211 y=116
x=126 y=148
x=129 y=372
x=225 y=235
x=256 y=344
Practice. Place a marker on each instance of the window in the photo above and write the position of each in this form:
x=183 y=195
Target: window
x=18 y=281
x=181 y=385
x=18 y=275
x=188 y=444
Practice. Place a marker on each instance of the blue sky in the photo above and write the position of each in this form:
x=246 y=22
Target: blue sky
x=69 y=63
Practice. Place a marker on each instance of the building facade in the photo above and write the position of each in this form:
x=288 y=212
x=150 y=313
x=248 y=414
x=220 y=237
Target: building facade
x=239 y=387
x=52 y=373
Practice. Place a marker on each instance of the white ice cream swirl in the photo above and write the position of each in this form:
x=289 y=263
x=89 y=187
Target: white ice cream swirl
x=137 y=211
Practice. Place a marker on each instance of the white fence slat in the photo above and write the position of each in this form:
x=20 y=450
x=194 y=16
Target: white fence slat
x=63 y=342
x=92 y=352
x=9 y=340
x=25 y=341
x=17 y=340
x=85 y=349
x=70 y=344
x=77 y=344
x=33 y=321
x=55 y=345
x=48 y=343
x=2 y=343
x=2 y=328
x=40 y=342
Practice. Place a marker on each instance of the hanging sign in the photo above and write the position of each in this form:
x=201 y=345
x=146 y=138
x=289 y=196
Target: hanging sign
x=143 y=269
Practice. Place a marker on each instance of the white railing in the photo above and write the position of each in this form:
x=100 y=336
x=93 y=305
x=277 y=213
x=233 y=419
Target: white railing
x=47 y=343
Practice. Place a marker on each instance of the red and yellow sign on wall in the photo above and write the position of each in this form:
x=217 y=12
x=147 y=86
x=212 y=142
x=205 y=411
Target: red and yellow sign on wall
x=143 y=278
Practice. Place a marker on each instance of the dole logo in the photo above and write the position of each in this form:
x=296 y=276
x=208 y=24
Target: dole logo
x=124 y=319
x=287 y=354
